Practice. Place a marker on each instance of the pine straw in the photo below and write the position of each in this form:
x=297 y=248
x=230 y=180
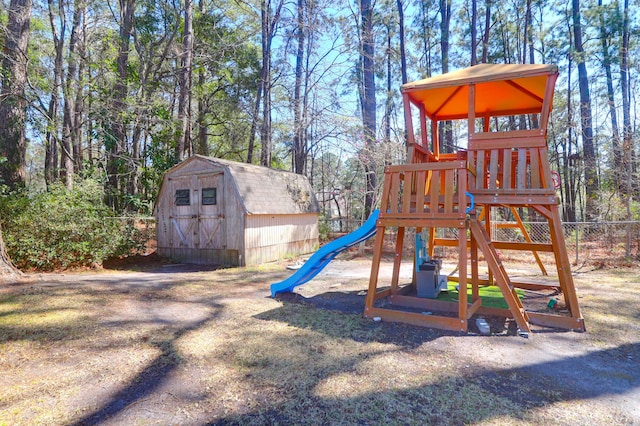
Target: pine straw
x=214 y=348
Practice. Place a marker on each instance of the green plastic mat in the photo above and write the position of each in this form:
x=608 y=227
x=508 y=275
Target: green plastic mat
x=491 y=295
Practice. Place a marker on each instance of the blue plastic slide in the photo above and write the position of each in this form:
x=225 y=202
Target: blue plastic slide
x=322 y=257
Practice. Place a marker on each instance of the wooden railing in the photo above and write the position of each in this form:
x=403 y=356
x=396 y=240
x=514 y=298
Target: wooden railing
x=433 y=192
x=510 y=171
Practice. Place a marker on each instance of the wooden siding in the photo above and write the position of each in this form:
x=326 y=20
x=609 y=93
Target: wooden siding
x=224 y=234
x=274 y=237
x=201 y=256
x=234 y=213
x=194 y=225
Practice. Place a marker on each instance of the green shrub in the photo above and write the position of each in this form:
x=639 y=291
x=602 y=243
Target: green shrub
x=324 y=228
x=60 y=229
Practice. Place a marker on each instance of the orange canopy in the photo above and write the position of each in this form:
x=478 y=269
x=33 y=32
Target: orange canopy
x=501 y=89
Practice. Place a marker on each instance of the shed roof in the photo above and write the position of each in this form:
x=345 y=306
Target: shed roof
x=263 y=190
x=501 y=89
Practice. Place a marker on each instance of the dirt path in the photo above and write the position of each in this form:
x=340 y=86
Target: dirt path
x=585 y=365
x=180 y=346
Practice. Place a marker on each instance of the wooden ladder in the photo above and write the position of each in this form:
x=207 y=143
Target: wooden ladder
x=480 y=235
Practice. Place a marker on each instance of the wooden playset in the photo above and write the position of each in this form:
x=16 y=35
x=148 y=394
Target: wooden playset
x=502 y=166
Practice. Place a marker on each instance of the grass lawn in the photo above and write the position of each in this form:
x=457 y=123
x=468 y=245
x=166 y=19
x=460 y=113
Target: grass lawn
x=192 y=348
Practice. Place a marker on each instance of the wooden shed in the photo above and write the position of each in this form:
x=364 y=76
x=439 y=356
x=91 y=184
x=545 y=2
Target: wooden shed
x=214 y=211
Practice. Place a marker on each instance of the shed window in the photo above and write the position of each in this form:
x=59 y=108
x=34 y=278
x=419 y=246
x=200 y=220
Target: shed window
x=209 y=196
x=182 y=197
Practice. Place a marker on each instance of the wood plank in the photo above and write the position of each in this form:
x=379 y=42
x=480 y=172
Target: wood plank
x=408 y=119
x=481 y=177
x=473 y=308
x=407 y=190
x=535 y=168
x=382 y=294
x=423 y=153
x=547 y=102
x=493 y=168
x=500 y=143
x=394 y=192
x=463 y=116
x=520 y=246
x=435 y=321
x=396 y=261
x=511 y=134
x=547 y=179
x=435 y=165
x=462 y=269
x=515 y=191
x=425 y=222
x=448 y=191
x=471 y=110
x=435 y=191
x=462 y=190
x=384 y=203
x=515 y=200
x=547 y=320
x=421 y=183
x=521 y=167
x=471 y=170
x=375 y=266
x=423 y=126
x=563 y=264
x=502 y=279
x=506 y=169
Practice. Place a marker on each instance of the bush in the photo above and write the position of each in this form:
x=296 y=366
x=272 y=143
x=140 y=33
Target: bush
x=60 y=229
x=324 y=228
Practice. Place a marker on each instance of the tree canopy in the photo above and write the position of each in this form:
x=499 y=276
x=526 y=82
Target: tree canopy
x=121 y=91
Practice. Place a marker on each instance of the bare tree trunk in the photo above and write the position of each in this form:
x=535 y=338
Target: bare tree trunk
x=606 y=63
x=487 y=28
x=184 y=98
x=474 y=31
x=79 y=89
x=269 y=24
x=77 y=34
x=526 y=28
x=590 y=171
x=51 y=138
x=299 y=148
x=254 y=122
x=628 y=148
x=446 y=129
x=71 y=149
x=386 y=119
x=13 y=105
x=117 y=138
x=8 y=272
x=368 y=102
x=403 y=53
x=569 y=210
x=426 y=35
x=202 y=147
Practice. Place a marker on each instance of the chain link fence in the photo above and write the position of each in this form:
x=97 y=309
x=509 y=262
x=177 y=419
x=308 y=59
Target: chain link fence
x=601 y=242
x=605 y=241
x=584 y=240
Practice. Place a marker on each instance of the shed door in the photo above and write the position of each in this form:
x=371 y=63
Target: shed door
x=198 y=215
x=210 y=211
